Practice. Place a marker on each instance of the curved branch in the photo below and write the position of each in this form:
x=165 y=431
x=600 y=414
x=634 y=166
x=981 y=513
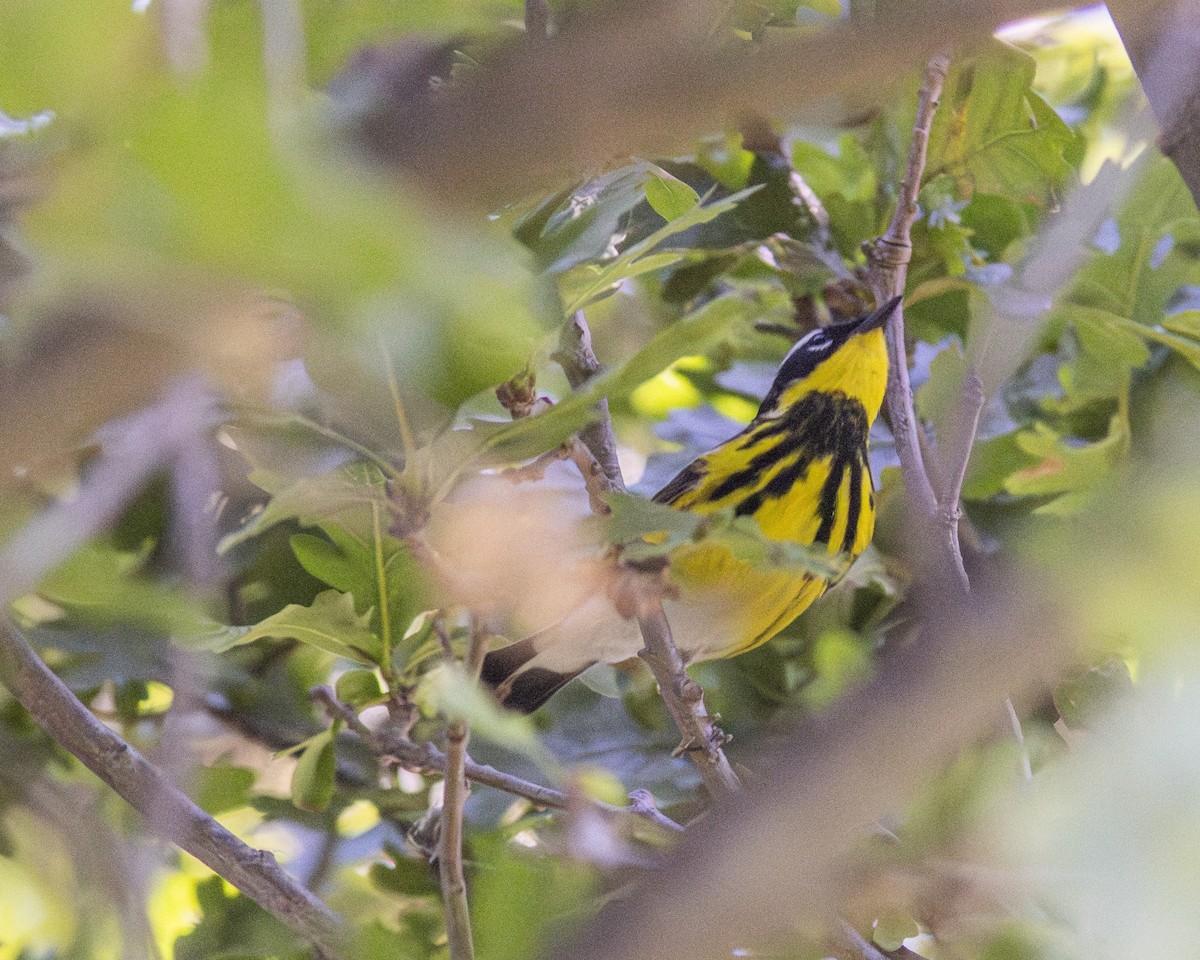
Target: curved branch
x=167 y=812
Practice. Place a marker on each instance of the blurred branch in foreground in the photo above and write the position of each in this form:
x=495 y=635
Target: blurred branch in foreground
x=1162 y=39
x=768 y=862
x=133 y=451
x=566 y=103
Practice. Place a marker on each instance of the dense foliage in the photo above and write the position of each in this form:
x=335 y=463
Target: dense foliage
x=179 y=200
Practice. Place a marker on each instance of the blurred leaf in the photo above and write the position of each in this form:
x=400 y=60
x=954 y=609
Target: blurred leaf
x=1092 y=693
x=994 y=134
x=312 y=781
x=345 y=495
x=670 y=197
x=104 y=586
x=406 y=875
x=448 y=692
x=526 y=900
x=222 y=788
x=1152 y=250
x=330 y=624
x=1070 y=472
x=234 y=927
x=1111 y=349
x=893 y=928
x=359 y=688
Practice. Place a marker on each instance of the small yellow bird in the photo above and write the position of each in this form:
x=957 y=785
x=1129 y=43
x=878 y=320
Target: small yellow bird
x=799 y=468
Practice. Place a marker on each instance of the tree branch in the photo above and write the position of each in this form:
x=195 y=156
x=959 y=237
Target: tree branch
x=454 y=798
x=426 y=758
x=537 y=21
x=773 y=860
x=166 y=811
x=1163 y=41
x=958 y=455
x=547 y=107
x=579 y=363
x=889 y=257
x=132 y=451
x=702 y=739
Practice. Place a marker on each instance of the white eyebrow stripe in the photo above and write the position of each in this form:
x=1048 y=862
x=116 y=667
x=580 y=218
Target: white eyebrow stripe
x=810 y=342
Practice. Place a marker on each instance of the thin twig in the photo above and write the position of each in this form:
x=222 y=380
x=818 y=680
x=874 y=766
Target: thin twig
x=167 y=812
x=595 y=480
x=889 y=258
x=579 y=363
x=450 y=856
x=455 y=789
x=702 y=739
x=425 y=758
x=958 y=455
x=642 y=803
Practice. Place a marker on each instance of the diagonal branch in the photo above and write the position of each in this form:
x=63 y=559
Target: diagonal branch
x=702 y=739
x=167 y=812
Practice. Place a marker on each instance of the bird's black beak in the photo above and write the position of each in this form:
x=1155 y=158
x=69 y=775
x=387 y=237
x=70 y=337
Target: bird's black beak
x=873 y=321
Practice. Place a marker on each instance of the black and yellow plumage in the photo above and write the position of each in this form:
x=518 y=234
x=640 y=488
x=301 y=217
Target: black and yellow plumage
x=799 y=468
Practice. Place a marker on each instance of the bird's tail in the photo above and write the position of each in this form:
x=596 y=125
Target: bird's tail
x=520 y=684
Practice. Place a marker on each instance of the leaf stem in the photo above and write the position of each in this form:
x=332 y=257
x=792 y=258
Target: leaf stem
x=406 y=434
x=385 y=613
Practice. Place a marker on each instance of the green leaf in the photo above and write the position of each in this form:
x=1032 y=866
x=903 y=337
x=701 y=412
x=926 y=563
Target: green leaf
x=1146 y=253
x=407 y=875
x=891 y=929
x=330 y=624
x=1088 y=695
x=448 y=692
x=589 y=281
x=1111 y=348
x=101 y=585
x=511 y=442
x=994 y=134
x=222 y=788
x=359 y=688
x=670 y=197
x=992 y=463
x=344 y=495
x=645 y=529
x=579 y=227
x=1069 y=472
x=939 y=398
x=312 y=781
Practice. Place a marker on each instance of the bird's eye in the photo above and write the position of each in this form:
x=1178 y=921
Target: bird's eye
x=820 y=344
